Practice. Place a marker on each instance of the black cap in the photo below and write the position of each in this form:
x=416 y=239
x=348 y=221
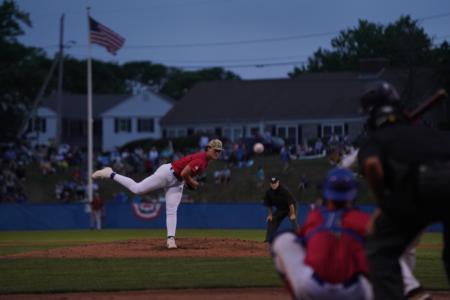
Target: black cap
x=274 y=179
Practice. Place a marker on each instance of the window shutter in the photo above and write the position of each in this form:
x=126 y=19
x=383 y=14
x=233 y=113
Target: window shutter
x=116 y=125
x=319 y=131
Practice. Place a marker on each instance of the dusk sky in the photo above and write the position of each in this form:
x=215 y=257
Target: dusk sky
x=253 y=38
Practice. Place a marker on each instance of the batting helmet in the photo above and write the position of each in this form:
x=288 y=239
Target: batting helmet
x=340 y=185
x=379 y=94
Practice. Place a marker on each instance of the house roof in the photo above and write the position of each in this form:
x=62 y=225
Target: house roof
x=310 y=96
x=74 y=106
x=147 y=103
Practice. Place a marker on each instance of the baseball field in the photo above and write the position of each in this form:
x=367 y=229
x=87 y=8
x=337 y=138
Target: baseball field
x=134 y=264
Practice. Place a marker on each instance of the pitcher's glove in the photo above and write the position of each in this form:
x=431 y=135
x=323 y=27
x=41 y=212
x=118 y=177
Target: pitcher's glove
x=188 y=187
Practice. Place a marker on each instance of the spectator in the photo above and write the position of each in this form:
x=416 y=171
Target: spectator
x=217 y=176
x=96 y=212
x=285 y=157
x=260 y=177
x=226 y=175
x=304 y=183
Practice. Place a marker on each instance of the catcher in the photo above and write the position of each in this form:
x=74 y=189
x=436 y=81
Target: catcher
x=326 y=259
x=171 y=177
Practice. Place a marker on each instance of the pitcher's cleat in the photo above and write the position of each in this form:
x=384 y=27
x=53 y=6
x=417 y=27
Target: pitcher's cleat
x=171 y=243
x=104 y=173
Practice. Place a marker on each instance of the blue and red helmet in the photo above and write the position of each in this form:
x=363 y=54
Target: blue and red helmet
x=340 y=185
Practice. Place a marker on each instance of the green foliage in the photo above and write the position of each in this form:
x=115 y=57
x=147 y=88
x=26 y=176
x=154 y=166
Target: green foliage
x=403 y=43
x=180 y=82
x=21 y=71
x=11 y=21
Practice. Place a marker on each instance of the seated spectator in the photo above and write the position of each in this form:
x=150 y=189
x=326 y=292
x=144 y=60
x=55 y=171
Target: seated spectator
x=260 y=177
x=304 y=183
x=226 y=175
x=217 y=176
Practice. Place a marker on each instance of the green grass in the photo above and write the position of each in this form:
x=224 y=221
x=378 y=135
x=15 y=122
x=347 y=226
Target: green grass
x=56 y=275
x=429 y=269
x=42 y=275
x=243 y=187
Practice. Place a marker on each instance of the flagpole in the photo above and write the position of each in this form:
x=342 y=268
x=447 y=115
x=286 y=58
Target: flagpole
x=89 y=113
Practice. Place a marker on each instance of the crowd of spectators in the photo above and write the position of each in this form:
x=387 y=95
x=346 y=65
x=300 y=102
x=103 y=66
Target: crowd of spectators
x=13 y=161
x=71 y=162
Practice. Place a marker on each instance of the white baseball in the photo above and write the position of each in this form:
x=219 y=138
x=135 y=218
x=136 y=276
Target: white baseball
x=258 y=148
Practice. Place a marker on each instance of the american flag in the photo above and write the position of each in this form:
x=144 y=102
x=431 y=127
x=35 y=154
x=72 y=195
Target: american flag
x=103 y=36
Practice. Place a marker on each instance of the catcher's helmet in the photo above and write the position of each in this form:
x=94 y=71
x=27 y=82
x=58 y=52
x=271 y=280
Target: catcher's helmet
x=340 y=185
x=378 y=94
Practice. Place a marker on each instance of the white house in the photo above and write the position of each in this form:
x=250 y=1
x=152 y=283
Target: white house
x=118 y=119
x=42 y=128
x=138 y=117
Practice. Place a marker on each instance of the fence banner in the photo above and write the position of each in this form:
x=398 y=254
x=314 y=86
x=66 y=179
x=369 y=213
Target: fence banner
x=139 y=215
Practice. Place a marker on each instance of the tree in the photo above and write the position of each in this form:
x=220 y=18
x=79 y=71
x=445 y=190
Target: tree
x=180 y=82
x=145 y=74
x=403 y=43
x=21 y=70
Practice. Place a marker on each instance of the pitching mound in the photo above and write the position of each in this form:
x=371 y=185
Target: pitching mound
x=187 y=247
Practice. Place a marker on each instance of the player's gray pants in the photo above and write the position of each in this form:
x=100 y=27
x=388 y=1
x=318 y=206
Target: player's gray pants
x=289 y=255
x=163 y=178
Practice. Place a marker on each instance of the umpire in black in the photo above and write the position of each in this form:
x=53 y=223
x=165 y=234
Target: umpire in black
x=280 y=197
x=408 y=169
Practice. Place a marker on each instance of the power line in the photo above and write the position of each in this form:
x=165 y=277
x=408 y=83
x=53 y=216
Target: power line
x=443 y=15
x=288 y=63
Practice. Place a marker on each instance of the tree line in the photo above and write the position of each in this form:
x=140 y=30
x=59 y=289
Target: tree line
x=404 y=43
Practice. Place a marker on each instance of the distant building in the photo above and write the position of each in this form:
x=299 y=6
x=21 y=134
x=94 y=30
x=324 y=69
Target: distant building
x=136 y=118
x=310 y=106
x=118 y=119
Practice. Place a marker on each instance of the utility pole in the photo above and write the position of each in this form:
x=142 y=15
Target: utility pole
x=60 y=83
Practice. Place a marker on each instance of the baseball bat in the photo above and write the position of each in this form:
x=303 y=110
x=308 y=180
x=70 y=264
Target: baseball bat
x=348 y=160
x=426 y=105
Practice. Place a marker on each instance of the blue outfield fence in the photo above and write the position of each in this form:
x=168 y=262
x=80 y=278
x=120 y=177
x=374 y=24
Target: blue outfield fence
x=124 y=215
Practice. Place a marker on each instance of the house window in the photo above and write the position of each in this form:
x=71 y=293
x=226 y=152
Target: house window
x=237 y=133
x=122 y=125
x=227 y=133
x=281 y=132
x=254 y=131
x=329 y=130
x=171 y=133
x=146 y=125
x=181 y=132
x=38 y=125
x=338 y=130
x=292 y=131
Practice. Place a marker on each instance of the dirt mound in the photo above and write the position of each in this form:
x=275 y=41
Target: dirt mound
x=187 y=247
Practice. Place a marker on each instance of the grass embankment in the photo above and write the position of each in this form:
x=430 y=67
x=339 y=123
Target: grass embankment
x=63 y=275
x=242 y=188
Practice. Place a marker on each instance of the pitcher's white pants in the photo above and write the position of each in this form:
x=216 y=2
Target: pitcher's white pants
x=289 y=255
x=163 y=178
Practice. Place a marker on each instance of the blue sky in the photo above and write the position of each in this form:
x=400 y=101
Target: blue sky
x=253 y=38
